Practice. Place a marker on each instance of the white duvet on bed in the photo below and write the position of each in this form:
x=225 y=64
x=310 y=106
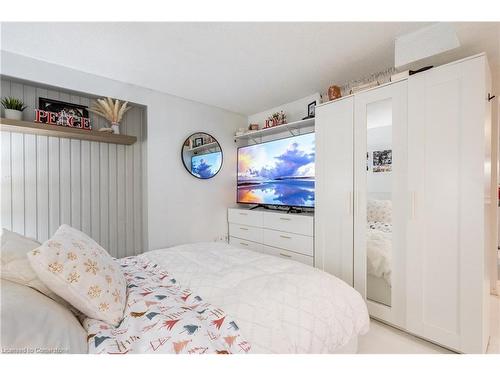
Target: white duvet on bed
x=379 y=250
x=280 y=305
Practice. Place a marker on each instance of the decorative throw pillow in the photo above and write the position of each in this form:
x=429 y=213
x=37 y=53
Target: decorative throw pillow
x=379 y=210
x=76 y=268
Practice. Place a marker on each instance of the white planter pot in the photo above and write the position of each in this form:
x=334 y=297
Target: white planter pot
x=13 y=114
x=116 y=128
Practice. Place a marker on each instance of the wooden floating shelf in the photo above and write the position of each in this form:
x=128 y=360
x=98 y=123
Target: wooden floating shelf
x=64 y=132
x=296 y=125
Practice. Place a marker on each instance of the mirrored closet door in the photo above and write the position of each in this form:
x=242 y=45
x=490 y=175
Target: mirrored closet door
x=381 y=200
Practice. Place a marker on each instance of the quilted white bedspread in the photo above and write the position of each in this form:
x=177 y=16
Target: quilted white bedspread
x=379 y=250
x=281 y=306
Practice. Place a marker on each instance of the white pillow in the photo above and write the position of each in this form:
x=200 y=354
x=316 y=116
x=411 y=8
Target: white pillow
x=76 y=268
x=15 y=264
x=33 y=323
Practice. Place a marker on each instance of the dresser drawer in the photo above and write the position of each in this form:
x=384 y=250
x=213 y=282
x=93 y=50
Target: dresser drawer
x=284 y=254
x=289 y=223
x=245 y=217
x=245 y=232
x=289 y=241
x=244 y=244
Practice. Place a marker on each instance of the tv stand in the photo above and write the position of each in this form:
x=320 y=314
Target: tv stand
x=274 y=232
x=287 y=209
x=260 y=206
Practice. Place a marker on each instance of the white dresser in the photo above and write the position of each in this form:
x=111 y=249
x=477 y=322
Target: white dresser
x=289 y=236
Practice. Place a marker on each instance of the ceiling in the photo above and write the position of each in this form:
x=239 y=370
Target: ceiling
x=241 y=67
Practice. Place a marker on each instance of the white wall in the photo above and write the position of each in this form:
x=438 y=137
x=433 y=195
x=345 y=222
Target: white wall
x=95 y=187
x=180 y=207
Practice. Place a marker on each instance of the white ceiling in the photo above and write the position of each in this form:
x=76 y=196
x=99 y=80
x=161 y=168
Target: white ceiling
x=242 y=67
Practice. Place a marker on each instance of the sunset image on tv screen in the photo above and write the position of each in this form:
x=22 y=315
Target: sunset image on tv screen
x=278 y=173
x=206 y=165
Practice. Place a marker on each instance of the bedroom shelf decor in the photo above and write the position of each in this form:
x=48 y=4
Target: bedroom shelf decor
x=13 y=108
x=276 y=119
x=112 y=111
x=292 y=127
x=64 y=132
x=56 y=112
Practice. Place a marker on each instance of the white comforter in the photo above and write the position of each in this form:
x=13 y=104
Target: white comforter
x=280 y=305
x=379 y=250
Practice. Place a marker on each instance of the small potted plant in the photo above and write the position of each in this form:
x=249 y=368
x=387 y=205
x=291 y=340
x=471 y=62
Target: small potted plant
x=13 y=108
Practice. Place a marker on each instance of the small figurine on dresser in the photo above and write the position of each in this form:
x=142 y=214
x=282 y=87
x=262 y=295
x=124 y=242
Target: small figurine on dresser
x=334 y=92
x=277 y=118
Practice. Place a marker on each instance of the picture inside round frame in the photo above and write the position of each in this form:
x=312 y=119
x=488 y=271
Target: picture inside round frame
x=201 y=155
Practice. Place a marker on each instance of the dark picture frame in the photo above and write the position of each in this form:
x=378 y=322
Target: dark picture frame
x=198 y=142
x=311 y=109
x=57 y=106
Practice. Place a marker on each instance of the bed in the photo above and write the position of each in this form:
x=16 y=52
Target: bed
x=280 y=306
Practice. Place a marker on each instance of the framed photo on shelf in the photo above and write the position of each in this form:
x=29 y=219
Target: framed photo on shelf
x=57 y=106
x=198 y=142
x=311 y=109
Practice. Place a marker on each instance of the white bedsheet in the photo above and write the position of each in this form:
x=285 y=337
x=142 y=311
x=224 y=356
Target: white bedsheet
x=280 y=305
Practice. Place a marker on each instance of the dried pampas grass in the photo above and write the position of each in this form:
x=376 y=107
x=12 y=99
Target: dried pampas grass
x=111 y=111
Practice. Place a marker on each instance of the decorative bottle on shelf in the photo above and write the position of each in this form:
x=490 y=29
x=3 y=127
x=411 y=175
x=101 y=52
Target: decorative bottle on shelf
x=116 y=127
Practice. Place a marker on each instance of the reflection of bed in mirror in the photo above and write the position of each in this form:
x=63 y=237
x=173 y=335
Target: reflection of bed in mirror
x=379 y=248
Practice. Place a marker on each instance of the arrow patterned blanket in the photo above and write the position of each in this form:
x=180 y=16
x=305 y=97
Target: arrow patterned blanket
x=163 y=317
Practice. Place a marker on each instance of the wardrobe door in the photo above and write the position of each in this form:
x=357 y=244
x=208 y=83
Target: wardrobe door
x=381 y=200
x=446 y=181
x=334 y=184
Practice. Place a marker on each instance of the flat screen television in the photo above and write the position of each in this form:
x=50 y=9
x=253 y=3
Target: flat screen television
x=206 y=165
x=277 y=173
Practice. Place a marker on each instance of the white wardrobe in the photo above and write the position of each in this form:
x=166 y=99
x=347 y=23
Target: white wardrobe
x=403 y=191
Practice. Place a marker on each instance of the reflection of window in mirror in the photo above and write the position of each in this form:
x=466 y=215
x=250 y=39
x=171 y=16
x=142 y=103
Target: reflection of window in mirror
x=202 y=155
x=379 y=201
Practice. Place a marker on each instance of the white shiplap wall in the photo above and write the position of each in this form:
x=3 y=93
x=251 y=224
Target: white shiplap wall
x=95 y=187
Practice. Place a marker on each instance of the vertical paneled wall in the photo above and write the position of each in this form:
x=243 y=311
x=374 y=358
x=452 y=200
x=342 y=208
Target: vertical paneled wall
x=95 y=187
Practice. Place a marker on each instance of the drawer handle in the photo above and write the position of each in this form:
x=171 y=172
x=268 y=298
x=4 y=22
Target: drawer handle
x=285 y=255
x=243 y=214
x=286 y=237
x=243 y=228
x=285 y=218
x=244 y=244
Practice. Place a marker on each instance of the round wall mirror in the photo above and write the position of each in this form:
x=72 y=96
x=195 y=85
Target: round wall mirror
x=202 y=155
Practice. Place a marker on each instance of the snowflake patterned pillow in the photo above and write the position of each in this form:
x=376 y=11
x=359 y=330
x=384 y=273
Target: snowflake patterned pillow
x=77 y=269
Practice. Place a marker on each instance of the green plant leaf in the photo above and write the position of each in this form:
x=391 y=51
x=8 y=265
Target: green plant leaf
x=13 y=103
